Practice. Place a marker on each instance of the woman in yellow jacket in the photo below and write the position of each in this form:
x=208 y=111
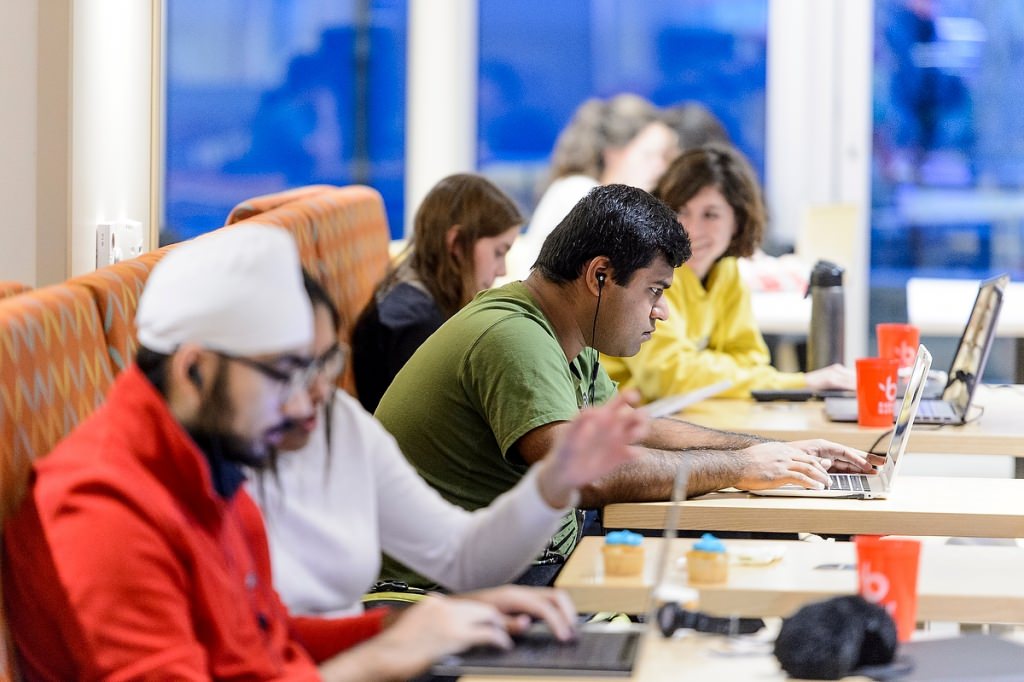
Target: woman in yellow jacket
x=710 y=333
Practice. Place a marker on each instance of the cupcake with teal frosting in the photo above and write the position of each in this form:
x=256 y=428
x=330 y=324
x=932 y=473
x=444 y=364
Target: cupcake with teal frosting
x=623 y=553
x=707 y=561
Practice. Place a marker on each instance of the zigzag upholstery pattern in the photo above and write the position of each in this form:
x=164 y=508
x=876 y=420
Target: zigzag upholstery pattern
x=262 y=204
x=54 y=371
x=11 y=288
x=352 y=240
x=292 y=218
x=116 y=290
x=342 y=234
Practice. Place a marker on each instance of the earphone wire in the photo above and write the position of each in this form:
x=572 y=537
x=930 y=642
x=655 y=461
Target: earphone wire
x=591 y=389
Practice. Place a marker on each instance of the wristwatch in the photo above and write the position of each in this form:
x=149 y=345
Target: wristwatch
x=672 y=617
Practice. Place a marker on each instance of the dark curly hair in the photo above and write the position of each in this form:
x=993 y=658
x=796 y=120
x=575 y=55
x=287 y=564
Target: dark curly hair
x=626 y=224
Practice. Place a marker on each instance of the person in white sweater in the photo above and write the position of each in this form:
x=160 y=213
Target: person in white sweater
x=617 y=140
x=346 y=493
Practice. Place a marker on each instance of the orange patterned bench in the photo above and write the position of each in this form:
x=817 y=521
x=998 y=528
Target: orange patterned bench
x=116 y=290
x=54 y=371
x=343 y=237
x=10 y=288
x=262 y=204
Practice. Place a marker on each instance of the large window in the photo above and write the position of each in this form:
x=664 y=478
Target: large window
x=539 y=60
x=948 y=162
x=264 y=95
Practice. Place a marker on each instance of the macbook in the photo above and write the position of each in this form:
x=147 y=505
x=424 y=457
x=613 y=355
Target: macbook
x=860 y=486
x=965 y=373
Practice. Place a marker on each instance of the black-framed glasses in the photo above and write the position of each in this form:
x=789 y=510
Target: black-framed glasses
x=299 y=378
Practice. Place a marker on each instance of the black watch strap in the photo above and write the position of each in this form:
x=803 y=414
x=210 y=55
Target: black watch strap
x=672 y=617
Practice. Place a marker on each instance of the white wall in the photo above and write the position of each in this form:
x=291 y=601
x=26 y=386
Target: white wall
x=819 y=129
x=77 y=133
x=17 y=141
x=112 y=123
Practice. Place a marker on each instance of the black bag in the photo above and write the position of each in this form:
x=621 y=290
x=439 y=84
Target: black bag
x=828 y=640
x=393 y=594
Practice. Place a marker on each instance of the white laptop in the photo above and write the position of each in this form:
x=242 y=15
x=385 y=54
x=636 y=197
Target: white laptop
x=666 y=407
x=964 y=374
x=861 y=486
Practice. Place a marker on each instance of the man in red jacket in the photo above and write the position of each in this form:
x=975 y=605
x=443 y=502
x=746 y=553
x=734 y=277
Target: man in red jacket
x=136 y=553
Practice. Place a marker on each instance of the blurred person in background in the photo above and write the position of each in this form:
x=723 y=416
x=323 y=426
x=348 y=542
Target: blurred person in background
x=621 y=140
x=694 y=125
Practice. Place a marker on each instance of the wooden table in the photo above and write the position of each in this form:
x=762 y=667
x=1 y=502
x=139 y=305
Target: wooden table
x=999 y=431
x=963 y=584
x=919 y=505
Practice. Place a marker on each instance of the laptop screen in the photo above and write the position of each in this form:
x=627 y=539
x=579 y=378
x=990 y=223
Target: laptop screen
x=905 y=417
x=975 y=344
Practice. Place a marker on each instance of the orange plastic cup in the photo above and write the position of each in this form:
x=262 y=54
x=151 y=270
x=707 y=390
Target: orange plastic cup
x=898 y=341
x=876 y=391
x=887 y=575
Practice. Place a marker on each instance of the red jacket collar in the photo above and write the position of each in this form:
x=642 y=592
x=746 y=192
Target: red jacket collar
x=141 y=419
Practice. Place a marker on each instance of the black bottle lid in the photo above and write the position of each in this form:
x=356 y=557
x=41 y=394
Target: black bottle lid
x=826 y=274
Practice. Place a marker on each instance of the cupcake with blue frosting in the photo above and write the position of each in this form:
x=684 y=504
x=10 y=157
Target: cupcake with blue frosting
x=707 y=561
x=623 y=553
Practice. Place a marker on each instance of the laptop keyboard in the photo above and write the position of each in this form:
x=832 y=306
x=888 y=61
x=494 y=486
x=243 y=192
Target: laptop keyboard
x=602 y=651
x=855 y=483
x=933 y=410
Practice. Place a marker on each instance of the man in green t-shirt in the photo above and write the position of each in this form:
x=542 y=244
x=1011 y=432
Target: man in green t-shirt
x=488 y=394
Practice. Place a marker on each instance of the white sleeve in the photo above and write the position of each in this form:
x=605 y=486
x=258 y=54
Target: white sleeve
x=556 y=203
x=457 y=549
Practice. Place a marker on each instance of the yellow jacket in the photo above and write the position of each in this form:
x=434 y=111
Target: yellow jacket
x=710 y=335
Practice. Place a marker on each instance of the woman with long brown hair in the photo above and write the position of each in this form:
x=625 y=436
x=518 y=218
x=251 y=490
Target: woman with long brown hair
x=710 y=333
x=461 y=233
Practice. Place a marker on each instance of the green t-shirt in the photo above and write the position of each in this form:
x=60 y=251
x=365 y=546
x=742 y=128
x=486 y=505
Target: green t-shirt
x=489 y=375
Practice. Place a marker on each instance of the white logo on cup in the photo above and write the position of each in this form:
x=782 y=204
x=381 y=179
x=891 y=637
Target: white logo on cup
x=875 y=586
x=888 y=389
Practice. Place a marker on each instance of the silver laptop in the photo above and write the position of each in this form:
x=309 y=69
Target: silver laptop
x=860 y=486
x=964 y=374
x=668 y=406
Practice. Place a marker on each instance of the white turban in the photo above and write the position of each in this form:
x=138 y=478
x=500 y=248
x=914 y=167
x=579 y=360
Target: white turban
x=237 y=290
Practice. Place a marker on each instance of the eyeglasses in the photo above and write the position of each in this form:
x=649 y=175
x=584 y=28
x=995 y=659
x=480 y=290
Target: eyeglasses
x=299 y=378
x=331 y=363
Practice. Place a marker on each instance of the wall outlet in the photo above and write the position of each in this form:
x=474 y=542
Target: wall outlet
x=104 y=244
x=117 y=241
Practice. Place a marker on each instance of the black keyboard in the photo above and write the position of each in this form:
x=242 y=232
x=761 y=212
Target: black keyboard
x=855 y=483
x=590 y=651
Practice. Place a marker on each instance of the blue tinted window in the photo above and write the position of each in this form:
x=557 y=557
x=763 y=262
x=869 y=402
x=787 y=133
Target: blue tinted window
x=948 y=162
x=539 y=60
x=266 y=95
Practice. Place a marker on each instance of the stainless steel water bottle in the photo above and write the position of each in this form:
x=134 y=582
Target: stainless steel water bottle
x=825 y=339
